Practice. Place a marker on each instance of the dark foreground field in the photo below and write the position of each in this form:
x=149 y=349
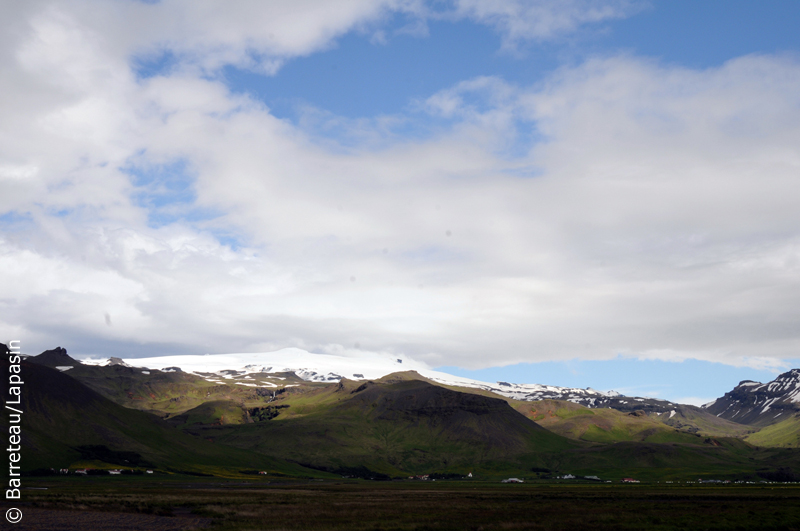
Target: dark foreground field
x=100 y=504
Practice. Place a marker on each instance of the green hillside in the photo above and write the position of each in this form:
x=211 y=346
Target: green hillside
x=697 y=420
x=399 y=428
x=406 y=426
x=67 y=424
x=214 y=412
x=603 y=425
x=783 y=434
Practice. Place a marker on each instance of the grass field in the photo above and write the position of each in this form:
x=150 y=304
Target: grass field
x=415 y=505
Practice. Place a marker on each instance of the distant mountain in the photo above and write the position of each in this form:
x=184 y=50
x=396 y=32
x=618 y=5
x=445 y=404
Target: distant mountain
x=758 y=404
x=588 y=397
x=259 y=370
x=228 y=412
x=169 y=386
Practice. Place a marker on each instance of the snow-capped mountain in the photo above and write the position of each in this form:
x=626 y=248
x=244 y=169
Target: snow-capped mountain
x=314 y=367
x=760 y=404
x=307 y=365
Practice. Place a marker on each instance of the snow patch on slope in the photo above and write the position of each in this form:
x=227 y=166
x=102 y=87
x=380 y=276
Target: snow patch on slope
x=356 y=366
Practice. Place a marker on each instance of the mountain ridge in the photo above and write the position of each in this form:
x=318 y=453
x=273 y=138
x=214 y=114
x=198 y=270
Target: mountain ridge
x=186 y=382
x=323 y=368
x=388 y=427
x=326 y=368
x=758 y=404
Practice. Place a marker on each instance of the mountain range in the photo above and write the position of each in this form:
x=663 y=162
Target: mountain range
x=750 y=403
x=297 y=413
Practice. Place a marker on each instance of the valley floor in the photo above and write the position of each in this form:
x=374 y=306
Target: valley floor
x=189 y=503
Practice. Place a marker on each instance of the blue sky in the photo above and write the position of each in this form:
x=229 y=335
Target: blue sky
x=687 y=382
x=360 y=78
x=575 y=193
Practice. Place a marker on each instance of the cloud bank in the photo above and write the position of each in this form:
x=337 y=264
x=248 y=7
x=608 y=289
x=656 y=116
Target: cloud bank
x=622 y=206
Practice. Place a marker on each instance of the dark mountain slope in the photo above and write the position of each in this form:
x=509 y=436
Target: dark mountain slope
x=65 y=422
x=153 y=391
x=458 y=416
x=53 y=358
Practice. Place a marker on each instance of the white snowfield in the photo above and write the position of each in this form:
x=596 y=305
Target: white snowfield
x=332 y=368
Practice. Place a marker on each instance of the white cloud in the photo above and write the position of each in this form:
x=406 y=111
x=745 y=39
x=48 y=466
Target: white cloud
x=17 y=172
x=525 y=20
x=660 y=220
x=261 y=35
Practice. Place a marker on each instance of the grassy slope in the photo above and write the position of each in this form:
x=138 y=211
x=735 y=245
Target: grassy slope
x=213 y=412
x=605 y=425
x=61 y=415
x=642 y=446
x=697 y=420
x=408 y=426
x=783 y=434
x=599 y=425
x=397 y=428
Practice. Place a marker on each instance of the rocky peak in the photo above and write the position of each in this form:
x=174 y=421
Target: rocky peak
x=760 y=403
x=56 y=357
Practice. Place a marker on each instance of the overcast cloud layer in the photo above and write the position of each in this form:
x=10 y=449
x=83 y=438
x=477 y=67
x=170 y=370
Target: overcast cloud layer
x=621 y=206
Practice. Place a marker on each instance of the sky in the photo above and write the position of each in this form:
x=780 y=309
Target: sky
x=586 y=193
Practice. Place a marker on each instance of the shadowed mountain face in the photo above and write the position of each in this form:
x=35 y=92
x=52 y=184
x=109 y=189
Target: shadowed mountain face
x=65 y=422
x=56 y=357
x=758 y=404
